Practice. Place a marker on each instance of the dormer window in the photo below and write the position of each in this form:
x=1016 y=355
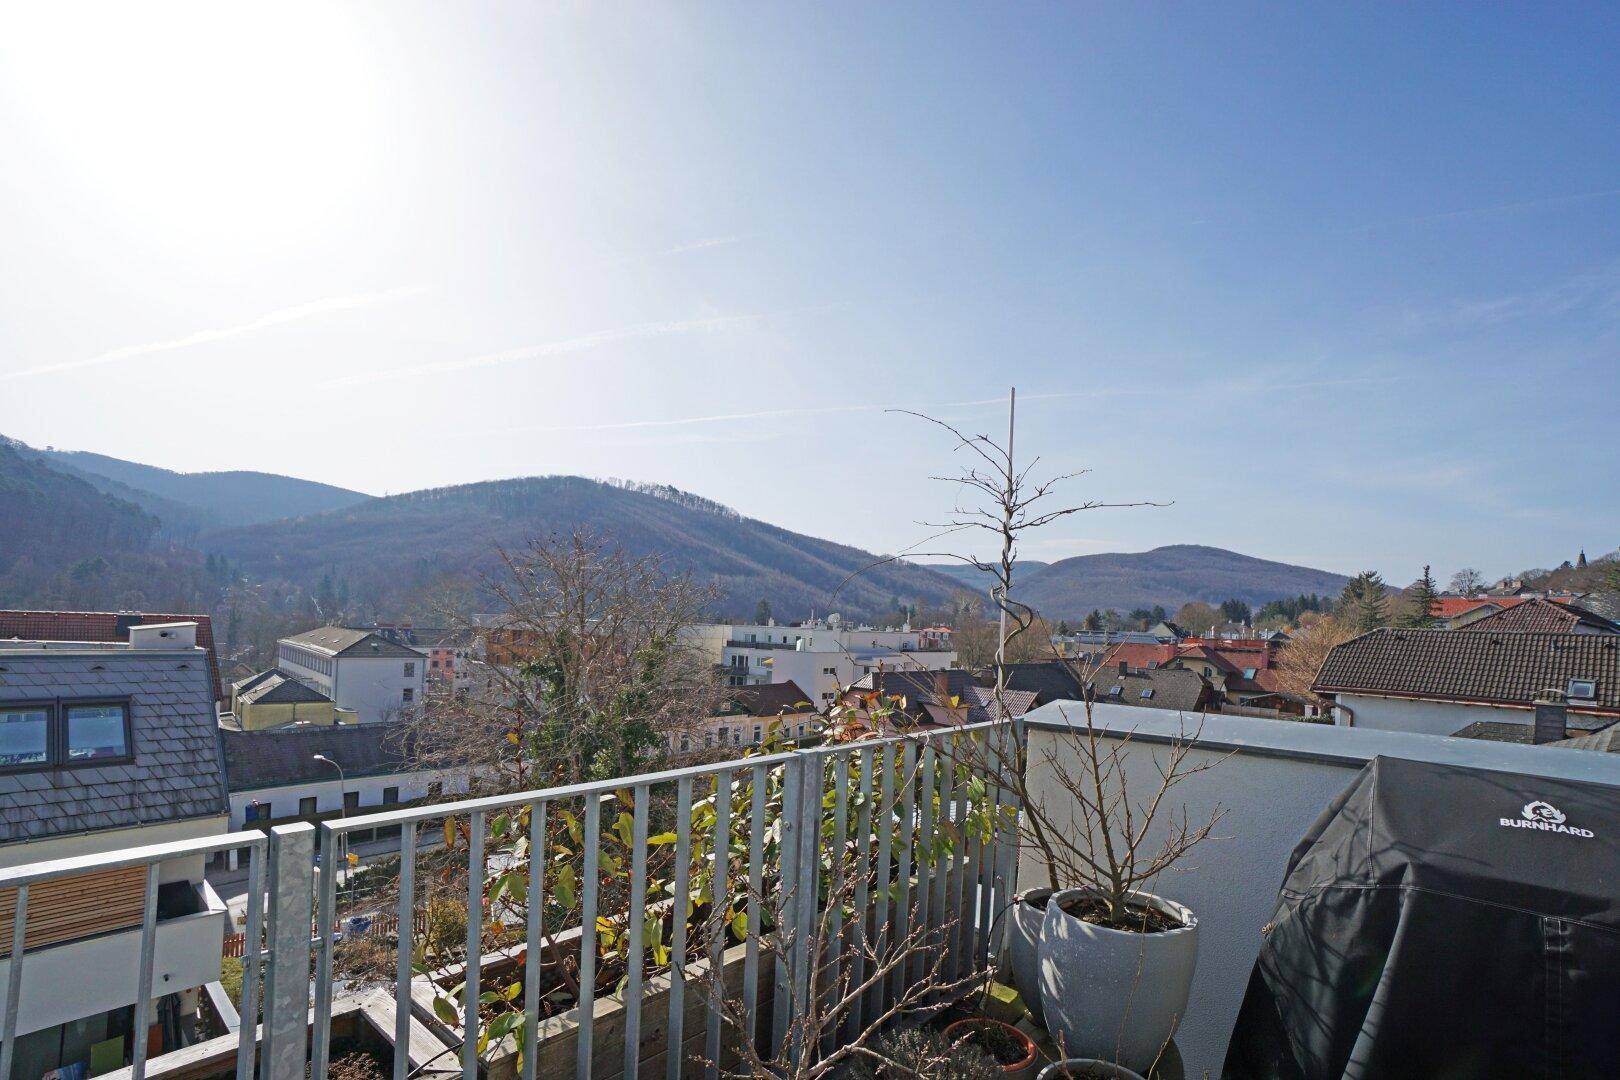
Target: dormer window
x=1582 y=689
x=1147 y=694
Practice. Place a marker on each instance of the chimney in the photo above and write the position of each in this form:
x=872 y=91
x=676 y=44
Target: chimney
x=1124 y=668
x=175 y=635
x=1551 y=716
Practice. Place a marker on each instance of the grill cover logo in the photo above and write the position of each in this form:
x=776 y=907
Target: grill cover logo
x=1543 y=816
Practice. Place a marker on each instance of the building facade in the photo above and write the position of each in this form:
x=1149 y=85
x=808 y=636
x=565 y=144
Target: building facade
x=359 y=670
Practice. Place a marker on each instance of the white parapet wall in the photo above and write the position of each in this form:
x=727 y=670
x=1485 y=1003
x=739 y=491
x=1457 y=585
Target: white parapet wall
x=1273 y=778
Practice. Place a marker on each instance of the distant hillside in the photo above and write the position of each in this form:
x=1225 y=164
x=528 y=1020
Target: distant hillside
x=1169 y=576
x=383 y=549
x=188 y=503
x=971 y=577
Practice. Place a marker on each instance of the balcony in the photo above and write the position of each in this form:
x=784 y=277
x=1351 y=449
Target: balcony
x=917 y=832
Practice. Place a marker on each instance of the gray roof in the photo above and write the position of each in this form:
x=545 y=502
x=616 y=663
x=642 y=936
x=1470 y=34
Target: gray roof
x=177 y=774
x=921 y=689
x=281 y=756
x=1051 y=680
x=343 y=642
x=281 y=689
x=1172 y=688
x=769 y=699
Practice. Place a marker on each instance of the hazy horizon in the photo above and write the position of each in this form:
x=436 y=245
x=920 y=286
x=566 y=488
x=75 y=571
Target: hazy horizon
x=1342 y=285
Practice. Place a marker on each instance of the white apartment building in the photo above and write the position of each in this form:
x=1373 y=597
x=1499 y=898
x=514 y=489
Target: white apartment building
x=360 y=670
x=820 y=657
x=106 y=746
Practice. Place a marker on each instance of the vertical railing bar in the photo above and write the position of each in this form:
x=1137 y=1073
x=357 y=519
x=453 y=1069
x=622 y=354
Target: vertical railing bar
x=679 y=913
x=534 y=938
x=475 y=941
x=284 y=1054
x=959 y=873
x=884 y=823
x=941 y=915
x=143 y=980
x=325 y=918
x=926 y=847
x=402 y=961
x=717 y=917
x=19 y=945
x=587 y=936
x=635 y=920
x=976 y=887
x=247 y=1044
x=989 y=877
x=906 y=836
x=807 y=960
x=860 y=917
x=756 y=888
x=837 y=933
x=787 y=868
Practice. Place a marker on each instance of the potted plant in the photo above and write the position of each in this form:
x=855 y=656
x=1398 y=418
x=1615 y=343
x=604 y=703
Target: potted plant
x=1087 y=1069
x=1024 y=920
x=1013 y=1052
x=1115 y=960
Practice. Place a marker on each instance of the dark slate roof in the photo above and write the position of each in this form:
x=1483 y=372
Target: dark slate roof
x=242 y=686
x=1490 y=668
x=1538 y=615
x=1606 y=741
x=342 y=642
x=1497 y=731
x=921 y=691
x=286 y=755
x=1173 y=688
x=177 y=773
x=103 y=626
x=1052 y=680
x=769 y=699
x=280 y=689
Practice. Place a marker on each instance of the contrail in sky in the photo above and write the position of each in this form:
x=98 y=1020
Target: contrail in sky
x=225 y=333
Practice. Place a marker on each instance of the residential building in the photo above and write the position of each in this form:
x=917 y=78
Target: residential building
x=1092 y=644
x=1178 y=689
x=749 y=715
x=273 y=699
x=448 y=652
x=933 y=699
x=1549 y=616
x=360 y=670
x=1049 y=681
x=821 y=657
x=104 y=746
x=104 y=626
x=275 y=776
x=1241 y=671
x=1438 y=682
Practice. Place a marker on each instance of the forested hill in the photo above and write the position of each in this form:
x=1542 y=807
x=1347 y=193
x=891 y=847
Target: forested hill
x=1168 y=576
x=386 y=550
x=188 y=503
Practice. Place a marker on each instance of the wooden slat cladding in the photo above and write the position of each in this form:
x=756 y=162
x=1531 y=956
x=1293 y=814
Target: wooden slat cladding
x=76 y=907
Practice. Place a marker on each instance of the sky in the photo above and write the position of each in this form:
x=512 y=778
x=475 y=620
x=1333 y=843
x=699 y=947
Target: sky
x=1340 y=283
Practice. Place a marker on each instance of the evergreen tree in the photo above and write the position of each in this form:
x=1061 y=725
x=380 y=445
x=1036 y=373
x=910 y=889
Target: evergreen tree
x=1236 y=611
x=762 y=613
x=1063 y=628
x=1094 y=621
x=1364 y=605
x=1425 y=594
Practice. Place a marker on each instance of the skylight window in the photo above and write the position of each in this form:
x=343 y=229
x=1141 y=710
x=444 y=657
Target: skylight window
x=1148 y=693
x=1582 y=689
x=1115 y=691
x=1248 y=672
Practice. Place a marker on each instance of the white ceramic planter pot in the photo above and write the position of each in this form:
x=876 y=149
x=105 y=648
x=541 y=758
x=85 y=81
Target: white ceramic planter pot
x=1086 y=1069
x=1112 y=994
x=1024 y=948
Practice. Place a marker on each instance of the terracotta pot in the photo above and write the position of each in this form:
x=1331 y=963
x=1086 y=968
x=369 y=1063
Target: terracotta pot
x=1023 y=1069
x=1115 y=995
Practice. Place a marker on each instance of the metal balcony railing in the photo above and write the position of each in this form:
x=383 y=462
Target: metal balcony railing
x=777 y=820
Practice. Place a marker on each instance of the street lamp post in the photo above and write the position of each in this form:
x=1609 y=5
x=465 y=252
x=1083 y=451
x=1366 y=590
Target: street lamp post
x=343 y=814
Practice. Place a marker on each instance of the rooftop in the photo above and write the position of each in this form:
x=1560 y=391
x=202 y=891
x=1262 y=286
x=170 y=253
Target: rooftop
x=1549 y=616
x=286 y=755
x=103 y=626
x=342 y=642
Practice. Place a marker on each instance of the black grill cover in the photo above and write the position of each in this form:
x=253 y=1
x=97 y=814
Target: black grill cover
x=1443 y=922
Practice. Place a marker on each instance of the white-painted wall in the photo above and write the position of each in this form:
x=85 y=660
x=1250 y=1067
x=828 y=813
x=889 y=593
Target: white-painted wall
x=1274 y=778
x=1422 y=717
x=328 y=794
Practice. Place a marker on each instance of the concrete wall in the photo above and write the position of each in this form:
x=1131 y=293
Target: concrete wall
x=374 y=686
x=328 y=794
x=1273 y=778
x=1423 y=717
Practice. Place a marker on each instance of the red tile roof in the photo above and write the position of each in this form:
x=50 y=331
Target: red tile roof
x=1449 y=607
x=101 y=626
x=1551 y=616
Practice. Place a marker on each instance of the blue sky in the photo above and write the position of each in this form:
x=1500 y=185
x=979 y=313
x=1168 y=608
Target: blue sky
x=1342 y=284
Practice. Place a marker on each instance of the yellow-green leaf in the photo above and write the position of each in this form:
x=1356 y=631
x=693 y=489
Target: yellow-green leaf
x=445 y=1011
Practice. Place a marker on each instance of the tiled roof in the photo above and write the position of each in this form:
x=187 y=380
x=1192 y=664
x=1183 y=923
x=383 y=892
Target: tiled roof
x=281 y=689
x=343 y=642
x=102 y=626
x=770 y=699
x=1492 y=668
x=1138 y=655
x=1606 y=741
x=177 y=773
x=1550 y=616
x=1052 y=680
x=1172 y=688
x=1449 y=607
x=286 y=755
x=921 y=691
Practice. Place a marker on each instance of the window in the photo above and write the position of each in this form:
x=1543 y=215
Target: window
x=708 y=738
x=306 y=807
x=1116 y=691
x=410 y=669
x=1147 y=694
x=390 y=796
x=258 y=811
x=351 y=801
x=722 y=743
x=758 y=733
x=97 y=732
x=431 y=664
x=1582 y=689
x=25 y=738
x=1248 y=672
x=829 y=671
x=408 y=696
